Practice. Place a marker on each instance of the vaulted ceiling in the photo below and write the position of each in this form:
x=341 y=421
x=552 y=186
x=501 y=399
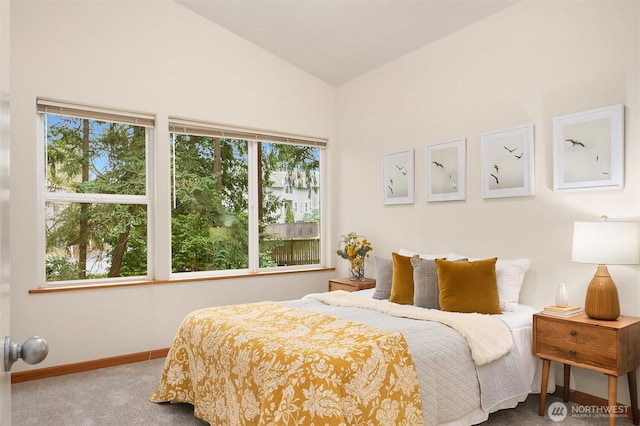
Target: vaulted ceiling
x=338 y=40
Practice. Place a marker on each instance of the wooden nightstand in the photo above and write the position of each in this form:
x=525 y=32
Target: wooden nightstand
x=610 y=347
x=348 y=285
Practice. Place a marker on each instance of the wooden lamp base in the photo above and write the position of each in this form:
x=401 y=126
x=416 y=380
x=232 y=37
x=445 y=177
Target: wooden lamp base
x=602 y=300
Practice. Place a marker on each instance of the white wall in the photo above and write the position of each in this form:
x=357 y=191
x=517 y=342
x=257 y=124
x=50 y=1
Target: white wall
x=527 y=64
x=159 y=58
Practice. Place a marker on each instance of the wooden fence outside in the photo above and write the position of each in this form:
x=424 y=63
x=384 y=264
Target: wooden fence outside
x=298 y=230
x=297 y=252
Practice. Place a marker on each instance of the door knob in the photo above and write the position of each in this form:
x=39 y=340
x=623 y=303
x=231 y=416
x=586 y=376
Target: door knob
x=32 y=351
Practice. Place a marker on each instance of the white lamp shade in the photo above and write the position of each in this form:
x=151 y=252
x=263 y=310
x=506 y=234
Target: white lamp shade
x=605 y=243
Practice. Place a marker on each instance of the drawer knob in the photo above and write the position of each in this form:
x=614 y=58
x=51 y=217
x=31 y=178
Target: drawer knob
x=572 y=352
x=573 y=332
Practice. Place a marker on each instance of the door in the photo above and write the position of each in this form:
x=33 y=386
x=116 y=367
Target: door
x=5 y=377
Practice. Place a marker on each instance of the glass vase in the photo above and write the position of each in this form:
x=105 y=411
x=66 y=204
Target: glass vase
x=356 y=269
x=562 y=298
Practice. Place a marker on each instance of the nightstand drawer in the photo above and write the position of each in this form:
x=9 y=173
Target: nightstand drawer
x=579 y=355
x=348 y=285
x=340 y=286
x=576 y=342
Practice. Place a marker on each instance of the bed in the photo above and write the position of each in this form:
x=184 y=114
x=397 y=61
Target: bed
x=351 y=358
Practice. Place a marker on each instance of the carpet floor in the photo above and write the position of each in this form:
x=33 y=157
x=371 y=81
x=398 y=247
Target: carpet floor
x=118 y=395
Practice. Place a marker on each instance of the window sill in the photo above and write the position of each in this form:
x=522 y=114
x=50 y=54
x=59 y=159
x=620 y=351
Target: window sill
x=54 y=289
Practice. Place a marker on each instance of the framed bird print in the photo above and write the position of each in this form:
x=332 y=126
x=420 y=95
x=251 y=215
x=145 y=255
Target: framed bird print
x=588 y=150
x=445 y=170
x=397 y=177
x=507 y=162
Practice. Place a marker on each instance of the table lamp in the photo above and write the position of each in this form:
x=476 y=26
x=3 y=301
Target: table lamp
x=604 y=243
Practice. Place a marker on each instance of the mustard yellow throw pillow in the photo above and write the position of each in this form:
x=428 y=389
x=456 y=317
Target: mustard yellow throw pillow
x=401 y=280
x=468 y=286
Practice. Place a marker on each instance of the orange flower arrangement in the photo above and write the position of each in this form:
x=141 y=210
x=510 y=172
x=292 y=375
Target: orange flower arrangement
x=355 y=248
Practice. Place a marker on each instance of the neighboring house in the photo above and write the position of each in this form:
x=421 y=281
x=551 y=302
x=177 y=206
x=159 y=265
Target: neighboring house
x=295 y=195
x=298 y=226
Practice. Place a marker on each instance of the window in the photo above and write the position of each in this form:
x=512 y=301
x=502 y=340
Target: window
x=210 y=215
x=235 y=197
x=229 y=211
x=295 y=240
x=96 y=190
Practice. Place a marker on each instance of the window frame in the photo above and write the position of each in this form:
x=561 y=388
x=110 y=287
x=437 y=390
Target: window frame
x=44 y=107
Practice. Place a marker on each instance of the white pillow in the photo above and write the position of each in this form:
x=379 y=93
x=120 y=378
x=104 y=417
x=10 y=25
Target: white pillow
x=455 y=256
x=409 y=253
x=405 y=252
x=510 y=276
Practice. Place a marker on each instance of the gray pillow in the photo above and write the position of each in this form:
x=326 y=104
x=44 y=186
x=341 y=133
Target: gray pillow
x=384 y=273
x=425 y=283
x=426 y=291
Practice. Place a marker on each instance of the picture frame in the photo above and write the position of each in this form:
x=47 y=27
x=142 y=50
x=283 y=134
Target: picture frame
x=398 y=177
x=445 y=170
x=588 y=150
x=508 y=162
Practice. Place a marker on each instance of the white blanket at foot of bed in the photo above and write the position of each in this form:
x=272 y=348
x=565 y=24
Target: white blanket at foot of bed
x=488 y=337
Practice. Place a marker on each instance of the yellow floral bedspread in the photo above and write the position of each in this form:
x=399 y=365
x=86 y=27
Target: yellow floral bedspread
x=267 y=364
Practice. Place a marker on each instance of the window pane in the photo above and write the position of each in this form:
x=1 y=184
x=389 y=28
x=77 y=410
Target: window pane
x=88 y=241
x=209 y=219
x=290 y=208
x=89 y=156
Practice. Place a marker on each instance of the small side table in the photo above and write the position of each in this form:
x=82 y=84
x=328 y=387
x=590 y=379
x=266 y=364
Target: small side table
x=348 y=285
x=610 y=347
